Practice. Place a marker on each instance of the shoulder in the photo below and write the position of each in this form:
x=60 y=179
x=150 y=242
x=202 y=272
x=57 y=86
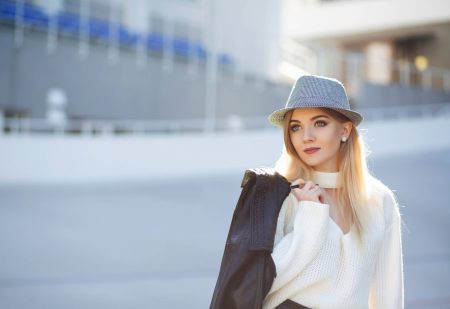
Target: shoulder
x=266 y=175
x=386 y=199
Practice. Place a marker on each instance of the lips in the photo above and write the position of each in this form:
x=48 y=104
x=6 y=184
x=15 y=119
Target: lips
x=311 y=150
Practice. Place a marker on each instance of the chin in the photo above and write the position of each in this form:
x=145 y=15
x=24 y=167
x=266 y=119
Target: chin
x=312 y=163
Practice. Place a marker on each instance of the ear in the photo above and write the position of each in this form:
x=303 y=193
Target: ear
x=347 y=128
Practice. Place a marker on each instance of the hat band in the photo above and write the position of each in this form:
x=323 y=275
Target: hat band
x=316 y=101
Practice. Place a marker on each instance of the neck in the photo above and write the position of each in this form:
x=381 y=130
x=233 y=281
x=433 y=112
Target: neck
x=325 y=179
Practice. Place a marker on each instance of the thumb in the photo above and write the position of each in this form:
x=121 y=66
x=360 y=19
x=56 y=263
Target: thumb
x=321 y=197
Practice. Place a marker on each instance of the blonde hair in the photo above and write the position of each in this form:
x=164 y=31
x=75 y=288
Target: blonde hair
x=354 y=181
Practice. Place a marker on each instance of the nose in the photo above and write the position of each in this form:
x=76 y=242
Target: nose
x=308 y=135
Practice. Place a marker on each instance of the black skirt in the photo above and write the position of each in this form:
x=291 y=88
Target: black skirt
x=290 y=304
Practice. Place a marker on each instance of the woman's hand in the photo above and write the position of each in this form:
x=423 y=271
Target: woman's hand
x=308 y=191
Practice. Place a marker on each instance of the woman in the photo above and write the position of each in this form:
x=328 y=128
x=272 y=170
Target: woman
x=338 y=235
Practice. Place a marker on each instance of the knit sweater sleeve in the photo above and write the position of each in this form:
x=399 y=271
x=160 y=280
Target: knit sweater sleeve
x=301 y=231
x=386 y=290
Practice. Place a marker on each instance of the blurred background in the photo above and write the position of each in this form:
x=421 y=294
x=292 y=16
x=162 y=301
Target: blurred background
x=126 y=128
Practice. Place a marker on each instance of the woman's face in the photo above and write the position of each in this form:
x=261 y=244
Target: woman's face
x=313 y=128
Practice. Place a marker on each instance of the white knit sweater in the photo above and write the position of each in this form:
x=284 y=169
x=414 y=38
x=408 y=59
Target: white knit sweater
x=320 y=267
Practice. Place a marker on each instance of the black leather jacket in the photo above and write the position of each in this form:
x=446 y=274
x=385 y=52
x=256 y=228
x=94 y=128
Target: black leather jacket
x=247 y=270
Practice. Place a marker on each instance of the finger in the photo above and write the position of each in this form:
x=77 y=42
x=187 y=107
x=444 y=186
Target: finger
x=309 y=185
x=320 y=195
x=300 y=186
x=298 y=181
x=321 y=199
x=314 y=190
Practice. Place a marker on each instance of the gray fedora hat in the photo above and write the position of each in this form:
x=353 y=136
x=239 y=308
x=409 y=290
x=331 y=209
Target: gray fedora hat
x=317 y=91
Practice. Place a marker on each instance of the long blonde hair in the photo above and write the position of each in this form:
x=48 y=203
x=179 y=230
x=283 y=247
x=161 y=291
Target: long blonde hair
x=355 y=181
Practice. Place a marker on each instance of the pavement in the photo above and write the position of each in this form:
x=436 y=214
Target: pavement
x=159 y=244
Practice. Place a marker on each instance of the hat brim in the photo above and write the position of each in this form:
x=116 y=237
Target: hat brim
x=277 y=117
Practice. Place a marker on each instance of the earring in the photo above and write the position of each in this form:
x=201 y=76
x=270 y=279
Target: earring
x=344 y=139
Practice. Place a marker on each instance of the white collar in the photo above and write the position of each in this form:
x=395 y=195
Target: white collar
x=325 y=179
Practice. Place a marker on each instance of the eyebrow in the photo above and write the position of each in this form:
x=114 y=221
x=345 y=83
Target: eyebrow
x=315 y=117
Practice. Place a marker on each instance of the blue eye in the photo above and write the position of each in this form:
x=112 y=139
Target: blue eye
x=293 y=128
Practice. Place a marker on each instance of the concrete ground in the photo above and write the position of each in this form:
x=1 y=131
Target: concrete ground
x=159 y=244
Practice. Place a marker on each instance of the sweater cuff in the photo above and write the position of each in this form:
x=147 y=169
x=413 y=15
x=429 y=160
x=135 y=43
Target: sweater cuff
x=315 y=206
x=303 y=243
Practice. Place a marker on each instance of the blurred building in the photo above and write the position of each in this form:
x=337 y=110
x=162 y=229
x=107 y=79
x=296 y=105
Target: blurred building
x=236 y=36
x=141 y=59
x=388 y=52
x=152 y=65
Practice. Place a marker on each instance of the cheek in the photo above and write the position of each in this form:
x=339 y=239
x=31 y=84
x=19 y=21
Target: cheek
x=328 y=141
x=331 y=140
x=329 y=137
x=295 y=140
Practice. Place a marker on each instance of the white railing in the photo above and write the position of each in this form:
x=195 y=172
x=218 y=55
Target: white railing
x=91 y=127
x=97 y=127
